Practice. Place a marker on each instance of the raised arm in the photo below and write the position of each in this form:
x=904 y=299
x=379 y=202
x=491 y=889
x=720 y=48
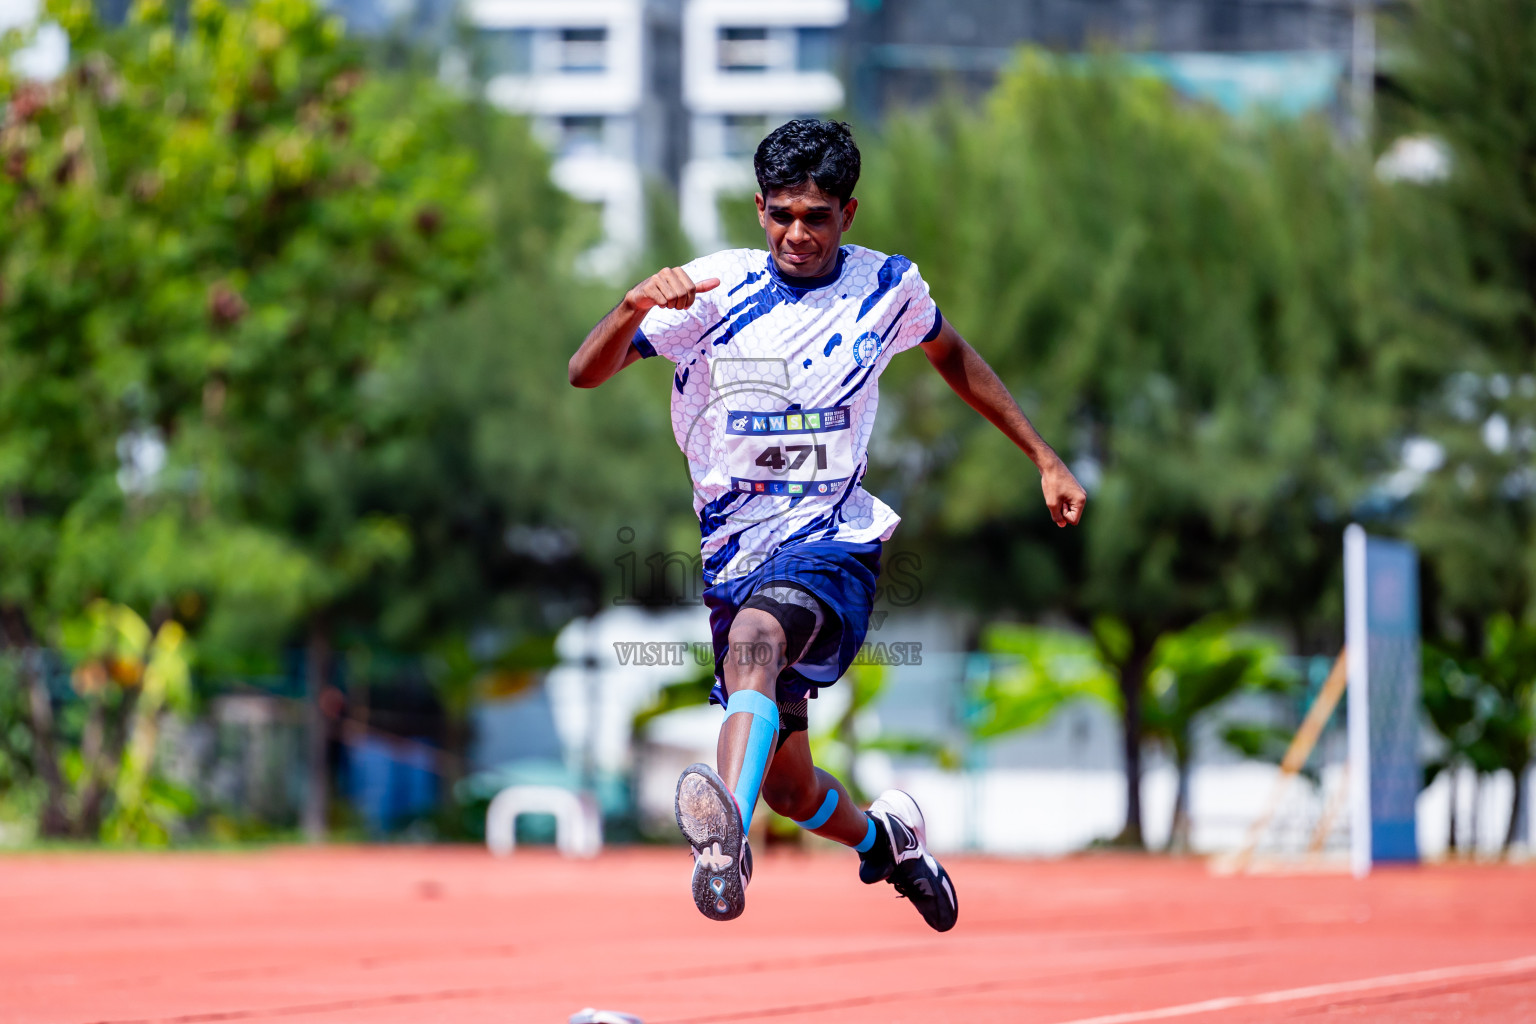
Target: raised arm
x=972 y=379
x=607 y=349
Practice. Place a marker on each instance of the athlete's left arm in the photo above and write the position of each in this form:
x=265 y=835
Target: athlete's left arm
x=972 y=379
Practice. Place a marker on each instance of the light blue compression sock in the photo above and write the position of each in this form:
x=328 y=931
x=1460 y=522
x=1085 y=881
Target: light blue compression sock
x=868 y=841
x=765 y=726
x=822 y=815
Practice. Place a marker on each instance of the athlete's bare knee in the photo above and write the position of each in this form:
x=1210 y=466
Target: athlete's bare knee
x=792 y=797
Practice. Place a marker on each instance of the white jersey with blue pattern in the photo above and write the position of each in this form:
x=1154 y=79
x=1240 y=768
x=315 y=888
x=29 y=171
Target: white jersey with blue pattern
x=775 y=394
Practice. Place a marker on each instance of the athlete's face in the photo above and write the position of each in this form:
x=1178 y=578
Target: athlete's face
x=805 y=226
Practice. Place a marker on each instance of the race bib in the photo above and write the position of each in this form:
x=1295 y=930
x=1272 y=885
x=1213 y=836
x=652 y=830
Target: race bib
x=798 y=452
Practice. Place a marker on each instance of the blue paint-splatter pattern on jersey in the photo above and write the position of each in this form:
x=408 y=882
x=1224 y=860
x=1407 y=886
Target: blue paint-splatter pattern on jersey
x=761 y=344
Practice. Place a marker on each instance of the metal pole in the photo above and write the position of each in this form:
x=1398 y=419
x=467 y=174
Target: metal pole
x=1362 y=69
x=317 y=793
x=1356 y=649
x=594 y=701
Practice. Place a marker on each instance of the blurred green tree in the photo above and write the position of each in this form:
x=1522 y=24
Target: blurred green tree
x=1483 y=704
x=1181 y=302
x=1464 y=77
x=113 y=649
x=521 y=493
x=1038 y=671
x=1193 y=671
x=1035 y=672
x=1450 y=691
x=215 y=236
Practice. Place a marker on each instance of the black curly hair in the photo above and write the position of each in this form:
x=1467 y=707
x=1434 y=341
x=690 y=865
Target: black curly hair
x=823 y=151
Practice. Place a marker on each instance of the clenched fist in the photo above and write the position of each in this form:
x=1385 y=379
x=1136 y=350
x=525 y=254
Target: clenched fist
x=1064 y=496
x=669 y=288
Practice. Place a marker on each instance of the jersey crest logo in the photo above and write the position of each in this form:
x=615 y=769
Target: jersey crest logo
x=866 y=348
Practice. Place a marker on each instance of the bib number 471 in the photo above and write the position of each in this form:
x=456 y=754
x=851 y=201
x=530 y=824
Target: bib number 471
x=774 y=458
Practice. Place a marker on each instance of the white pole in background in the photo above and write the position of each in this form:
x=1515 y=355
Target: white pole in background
x=1357 y=662
x=1362 y=69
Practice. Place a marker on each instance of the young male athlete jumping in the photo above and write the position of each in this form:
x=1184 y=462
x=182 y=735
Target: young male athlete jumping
x=778 y=355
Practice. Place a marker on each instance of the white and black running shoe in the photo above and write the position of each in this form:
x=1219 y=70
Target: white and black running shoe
x=711 y=822
x=900 y=856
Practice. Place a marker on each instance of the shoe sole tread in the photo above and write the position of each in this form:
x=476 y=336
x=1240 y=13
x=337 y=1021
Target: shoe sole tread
x=707 y=817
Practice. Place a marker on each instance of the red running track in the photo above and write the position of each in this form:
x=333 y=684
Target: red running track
x=383 y=935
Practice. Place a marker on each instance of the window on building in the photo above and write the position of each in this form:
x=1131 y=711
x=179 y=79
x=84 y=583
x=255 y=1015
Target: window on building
x=813 y=49
x=743 y=132
x=508 y=51
x=584 y=50
x=744 y=49
x=581 y=135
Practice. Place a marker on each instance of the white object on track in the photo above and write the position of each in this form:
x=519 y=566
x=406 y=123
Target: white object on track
x=591 y=1016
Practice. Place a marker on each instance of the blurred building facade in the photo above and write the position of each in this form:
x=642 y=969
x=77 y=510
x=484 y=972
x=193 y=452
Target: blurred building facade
x=748 y=66
x=906 y=52
x=598 y=79
x=631 y=94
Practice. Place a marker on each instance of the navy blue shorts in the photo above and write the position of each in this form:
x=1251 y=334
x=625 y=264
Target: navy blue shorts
x=841 y=576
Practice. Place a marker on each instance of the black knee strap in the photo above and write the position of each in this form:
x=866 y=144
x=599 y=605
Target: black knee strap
x=794 y=716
